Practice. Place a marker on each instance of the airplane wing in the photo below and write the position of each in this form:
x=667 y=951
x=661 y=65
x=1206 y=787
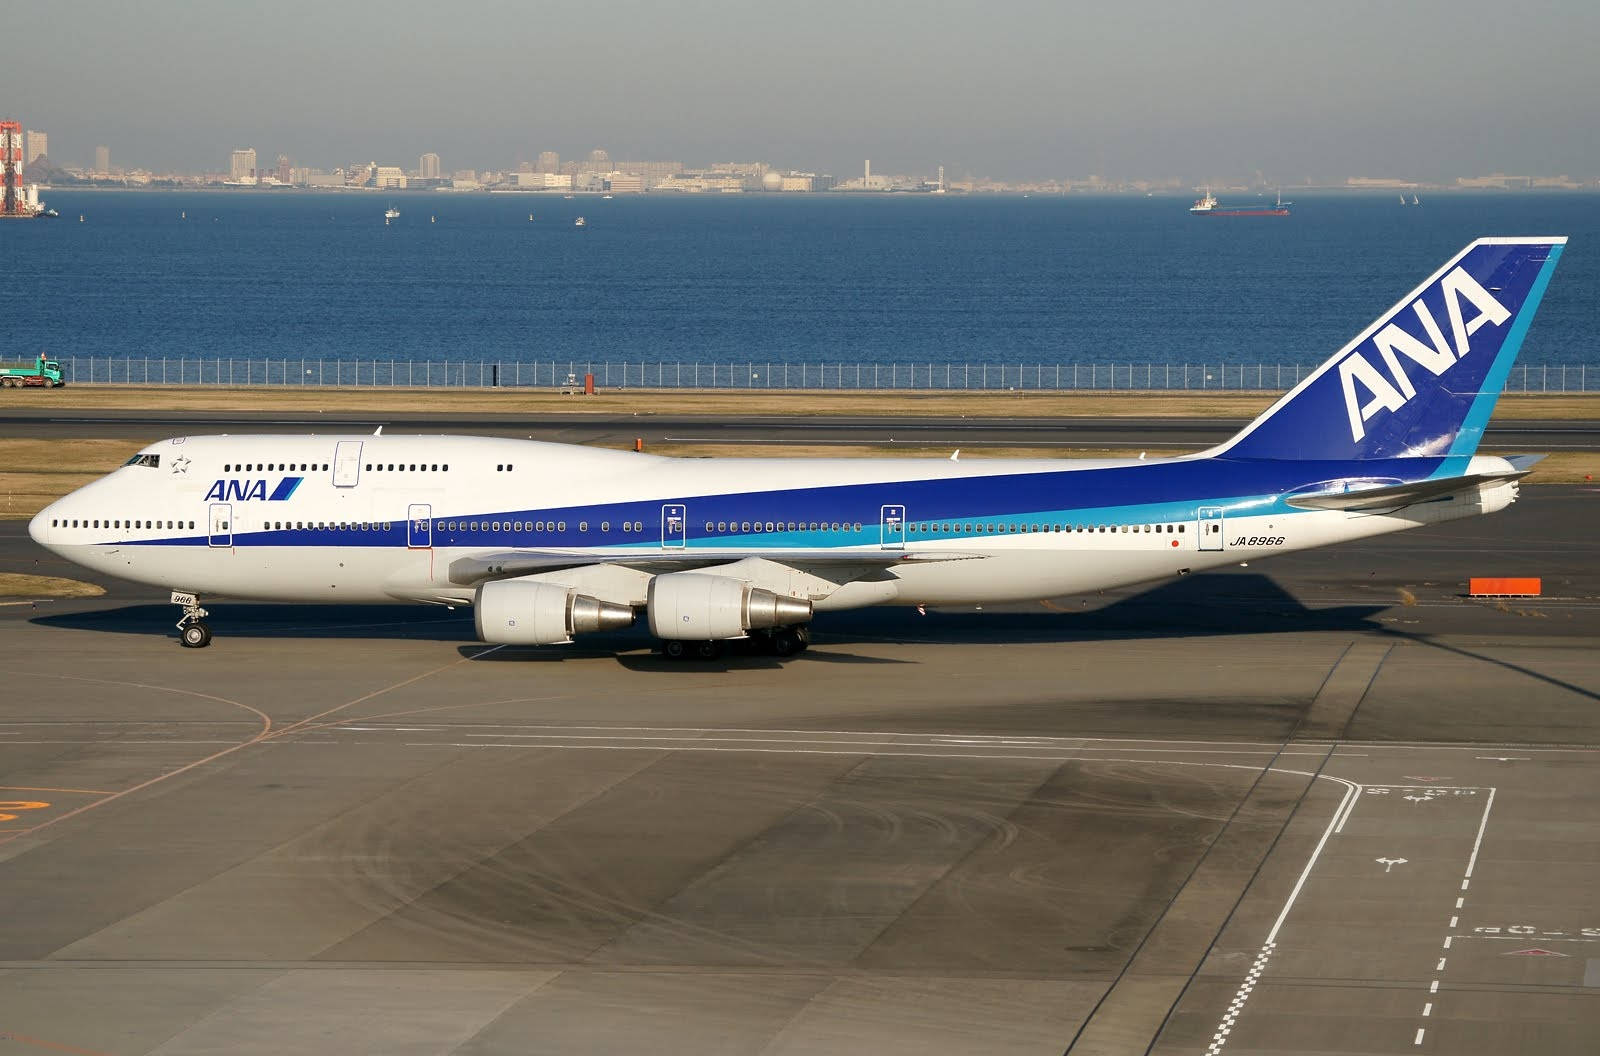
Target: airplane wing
x=508 y=564
x=1396 y=495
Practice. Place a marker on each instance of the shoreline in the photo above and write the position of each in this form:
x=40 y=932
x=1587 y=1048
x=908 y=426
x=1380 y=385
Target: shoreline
x=808 y=403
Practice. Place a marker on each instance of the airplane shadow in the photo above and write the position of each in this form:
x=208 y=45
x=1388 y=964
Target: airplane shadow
x=1195 y=606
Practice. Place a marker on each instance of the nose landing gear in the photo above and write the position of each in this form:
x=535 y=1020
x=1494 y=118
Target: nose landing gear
x=193 y=631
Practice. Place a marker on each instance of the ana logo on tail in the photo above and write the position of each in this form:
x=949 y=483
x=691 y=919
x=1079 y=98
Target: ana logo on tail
x=1437 y=354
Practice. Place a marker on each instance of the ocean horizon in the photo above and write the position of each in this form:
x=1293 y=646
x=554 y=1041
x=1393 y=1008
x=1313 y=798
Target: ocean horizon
x=724 y=280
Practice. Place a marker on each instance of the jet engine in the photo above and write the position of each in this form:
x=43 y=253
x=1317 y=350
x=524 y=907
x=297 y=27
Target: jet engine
x=698 y=607
x=524 y=612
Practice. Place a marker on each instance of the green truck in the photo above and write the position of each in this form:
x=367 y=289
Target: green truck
x=43 y=373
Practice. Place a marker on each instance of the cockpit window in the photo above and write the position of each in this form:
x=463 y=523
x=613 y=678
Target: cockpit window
x=153 y=461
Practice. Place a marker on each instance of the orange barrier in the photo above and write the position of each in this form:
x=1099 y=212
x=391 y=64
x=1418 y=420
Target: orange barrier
x=1479 y=587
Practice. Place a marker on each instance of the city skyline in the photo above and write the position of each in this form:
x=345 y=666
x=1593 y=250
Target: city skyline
x=552 y=171
x=1020 y=90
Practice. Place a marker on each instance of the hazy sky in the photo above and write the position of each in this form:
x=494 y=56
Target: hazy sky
x=1018 y=89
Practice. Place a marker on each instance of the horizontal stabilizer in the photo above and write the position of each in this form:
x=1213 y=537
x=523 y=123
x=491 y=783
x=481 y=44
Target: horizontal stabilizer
x=1395 y=495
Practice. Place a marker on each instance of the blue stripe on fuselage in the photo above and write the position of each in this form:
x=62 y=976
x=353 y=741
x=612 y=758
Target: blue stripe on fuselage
x=1136 y=493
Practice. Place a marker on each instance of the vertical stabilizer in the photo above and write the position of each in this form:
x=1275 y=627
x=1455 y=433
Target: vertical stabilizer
x=1422 y=380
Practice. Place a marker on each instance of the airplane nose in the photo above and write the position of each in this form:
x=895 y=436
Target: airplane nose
x=39 y=529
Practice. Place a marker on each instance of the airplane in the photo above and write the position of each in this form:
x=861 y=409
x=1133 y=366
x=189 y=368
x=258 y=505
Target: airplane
x=549 y=541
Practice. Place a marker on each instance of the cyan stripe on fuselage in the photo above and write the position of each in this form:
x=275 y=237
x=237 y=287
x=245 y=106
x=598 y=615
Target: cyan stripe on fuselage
x=1465 y=444
x=1138 y=493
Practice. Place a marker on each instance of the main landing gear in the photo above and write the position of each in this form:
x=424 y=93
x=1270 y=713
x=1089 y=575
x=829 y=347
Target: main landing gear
x=193 y=631
x=779 y=641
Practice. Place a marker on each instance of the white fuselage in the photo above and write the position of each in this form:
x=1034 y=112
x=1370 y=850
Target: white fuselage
x=418 y=518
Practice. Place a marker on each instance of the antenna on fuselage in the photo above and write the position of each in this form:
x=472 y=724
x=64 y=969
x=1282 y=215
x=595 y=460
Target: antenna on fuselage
x=378 y=431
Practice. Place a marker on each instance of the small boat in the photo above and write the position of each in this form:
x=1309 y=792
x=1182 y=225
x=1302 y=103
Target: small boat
x=1403 y=200
x=391 y=213
x=46 y=213
x=579 y=222
x=605 y=197
x=530 y=218
x=1415 y=200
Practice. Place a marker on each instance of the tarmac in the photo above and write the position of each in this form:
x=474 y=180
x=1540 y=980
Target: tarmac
x=1322 y=804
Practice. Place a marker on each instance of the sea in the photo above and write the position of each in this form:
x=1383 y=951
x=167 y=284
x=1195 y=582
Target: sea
x=752 y=278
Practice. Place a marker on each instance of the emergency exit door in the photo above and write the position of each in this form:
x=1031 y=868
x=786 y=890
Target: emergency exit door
x=1211 y=528
x=419 y=526
x=892 y=528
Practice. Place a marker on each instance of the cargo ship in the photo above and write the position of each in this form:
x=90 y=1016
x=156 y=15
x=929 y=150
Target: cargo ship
x=1209 y=206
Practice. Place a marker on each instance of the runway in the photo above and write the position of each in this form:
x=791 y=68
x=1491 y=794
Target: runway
x=1153 y=433
x=1319 y=804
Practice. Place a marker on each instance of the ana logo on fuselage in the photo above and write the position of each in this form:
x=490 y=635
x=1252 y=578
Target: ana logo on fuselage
x=1437 y=355
x=246 y=490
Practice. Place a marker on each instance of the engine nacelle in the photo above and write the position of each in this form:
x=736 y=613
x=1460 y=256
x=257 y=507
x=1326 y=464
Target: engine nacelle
x=694 y=606
x=525 y=612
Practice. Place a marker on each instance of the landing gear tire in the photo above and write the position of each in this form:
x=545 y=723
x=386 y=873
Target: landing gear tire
x=196 y=636
x=786 y=642
x=707 y=650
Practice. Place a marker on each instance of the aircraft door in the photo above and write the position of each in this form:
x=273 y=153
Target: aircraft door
x=892 y=528
x=419 y=526
x=221 y=528
x=1211 y=528
x=346 y=463
x=674 y=525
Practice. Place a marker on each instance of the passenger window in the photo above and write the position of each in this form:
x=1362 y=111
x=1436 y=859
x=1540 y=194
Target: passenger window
x=605 y=526
x=561 y=526
x=583 y=526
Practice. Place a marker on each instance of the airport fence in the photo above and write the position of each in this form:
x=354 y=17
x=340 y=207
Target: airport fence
x=752 y=375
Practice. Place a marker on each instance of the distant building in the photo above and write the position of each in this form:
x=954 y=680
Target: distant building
x=624 y=183
x=702 y=182
x=242 y=166
x=651 y=172
x=866 y=181
x=598 y=161
x=283 y=169
x=102 y=159
x=801 y=182
x=428 y=167
x=387 y=176
x=1497 y=181
x=36 y=145
x=549 y=161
